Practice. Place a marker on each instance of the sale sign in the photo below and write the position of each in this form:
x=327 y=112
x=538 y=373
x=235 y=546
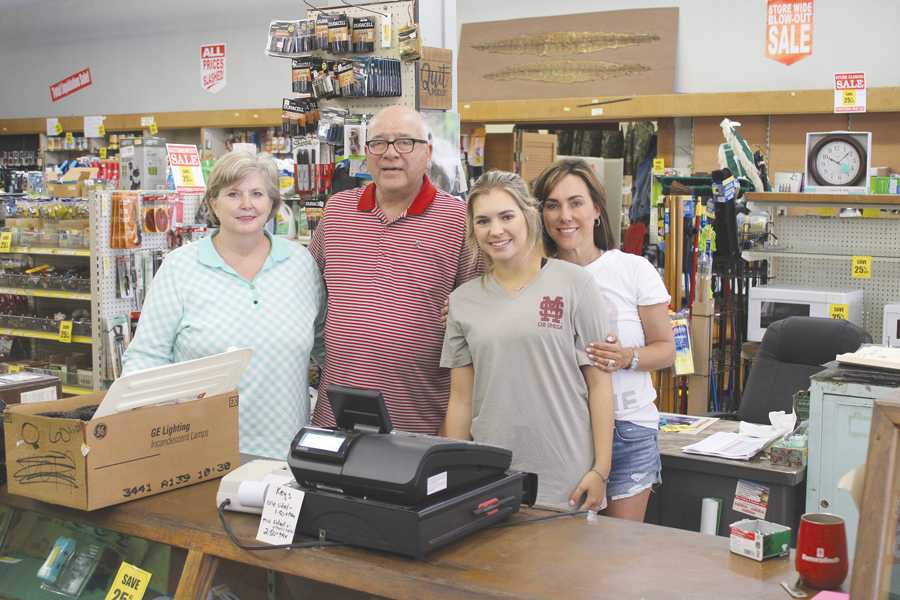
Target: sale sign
x=70 y=85
x=789 y=30
x=185 y=163
x=212 y=67
x=850 y=92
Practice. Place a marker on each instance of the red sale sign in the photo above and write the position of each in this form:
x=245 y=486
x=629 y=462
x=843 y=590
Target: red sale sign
x=850 y=92
x=185 y=163
x=212 y=67
x=789 y=30
x=70 y=85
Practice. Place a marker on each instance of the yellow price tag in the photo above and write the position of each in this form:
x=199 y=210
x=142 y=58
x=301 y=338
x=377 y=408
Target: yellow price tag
x=65 y=331
x=102 y=129
x=838 y=311
x=130 y=583
x=871 y=213
x=69 y=137
x=862 y=267
x=6 y=241
x=14 y=368
x=849 y=97
x=58 y=128
x=826 y=212
x=659 y=165
x=187 y=176
x=153 y=128
x=102 y=152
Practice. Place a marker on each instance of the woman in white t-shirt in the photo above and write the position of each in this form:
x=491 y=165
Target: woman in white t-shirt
x=577 y=230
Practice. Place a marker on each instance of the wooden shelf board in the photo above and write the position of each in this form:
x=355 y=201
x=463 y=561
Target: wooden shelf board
x=266 y=117
x=638 y=108
x=782 y=199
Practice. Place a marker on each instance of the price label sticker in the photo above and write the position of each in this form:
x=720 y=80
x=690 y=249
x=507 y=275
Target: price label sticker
x=102 y=152
x=838 y=311
x=826 y=212
x=130 y=583
x=65 y=332
x=101 y=129
x=862 y=267
x=187 y=175
x=871 y=213
x=849 y=97
x=6 y=241
x=58 y=128
x=14 y=368
x=153 y=128
x=69 y=137
x=659 y=165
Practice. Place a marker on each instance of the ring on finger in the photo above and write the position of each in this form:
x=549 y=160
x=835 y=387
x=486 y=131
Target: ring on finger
x=611 y=363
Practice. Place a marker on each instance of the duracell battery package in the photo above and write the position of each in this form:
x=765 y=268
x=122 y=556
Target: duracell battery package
x=322 y=32
x=364 y=34
x=307 y=35
x=283 y=38
x=338 y=34
x=344 y=71
x=322 y=84
x=301 y=75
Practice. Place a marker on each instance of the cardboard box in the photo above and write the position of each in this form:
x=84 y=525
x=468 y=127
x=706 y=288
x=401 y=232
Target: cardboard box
x=435 y=79
x=120 y=457
x=25 y=387
x=788 y=456
x=72 y=183
x=759 y=539
x=71 y=362
x=142 y=163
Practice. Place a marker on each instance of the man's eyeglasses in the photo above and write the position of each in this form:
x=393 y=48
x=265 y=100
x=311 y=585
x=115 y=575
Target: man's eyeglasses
x=401 y=145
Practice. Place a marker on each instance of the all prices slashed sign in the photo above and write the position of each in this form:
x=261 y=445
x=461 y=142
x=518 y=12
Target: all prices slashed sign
x=789 y=30
x=185 y=163
x=212 y=67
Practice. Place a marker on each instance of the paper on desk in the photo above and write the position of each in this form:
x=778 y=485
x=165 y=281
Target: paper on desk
x=744 y=445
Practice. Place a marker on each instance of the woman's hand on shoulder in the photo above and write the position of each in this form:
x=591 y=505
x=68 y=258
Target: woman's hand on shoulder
x=445 y=311
x=609 y=356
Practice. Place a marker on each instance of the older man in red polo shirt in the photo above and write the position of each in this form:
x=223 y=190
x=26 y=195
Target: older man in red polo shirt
x=390 y=254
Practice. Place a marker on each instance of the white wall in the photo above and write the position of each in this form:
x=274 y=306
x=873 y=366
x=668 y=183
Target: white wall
x=144 y=55
x=721 y=43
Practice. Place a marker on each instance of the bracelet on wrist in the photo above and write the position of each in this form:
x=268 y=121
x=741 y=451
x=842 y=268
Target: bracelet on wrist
x=602 y=476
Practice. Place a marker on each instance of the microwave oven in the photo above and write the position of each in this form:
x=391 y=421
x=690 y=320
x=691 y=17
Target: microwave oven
x=775 y=301
x=890 y=331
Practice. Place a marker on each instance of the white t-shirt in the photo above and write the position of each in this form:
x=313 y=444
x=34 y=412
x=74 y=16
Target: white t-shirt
x=628 y=281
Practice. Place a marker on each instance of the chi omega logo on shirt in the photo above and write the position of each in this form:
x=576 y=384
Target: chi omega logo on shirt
x=551 y=312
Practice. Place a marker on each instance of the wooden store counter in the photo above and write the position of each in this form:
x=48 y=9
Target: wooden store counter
x=559 y=558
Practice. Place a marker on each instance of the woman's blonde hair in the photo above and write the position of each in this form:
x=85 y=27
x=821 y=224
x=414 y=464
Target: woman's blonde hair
x=513 y=185
x=233 y=167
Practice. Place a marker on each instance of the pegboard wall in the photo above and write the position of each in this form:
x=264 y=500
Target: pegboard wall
x=402 y=13
x=103 y=264
x=844 y=238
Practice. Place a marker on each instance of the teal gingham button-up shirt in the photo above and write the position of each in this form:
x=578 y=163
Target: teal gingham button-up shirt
x=198 y=306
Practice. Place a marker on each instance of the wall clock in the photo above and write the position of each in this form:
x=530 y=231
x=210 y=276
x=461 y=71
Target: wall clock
x=837 y=159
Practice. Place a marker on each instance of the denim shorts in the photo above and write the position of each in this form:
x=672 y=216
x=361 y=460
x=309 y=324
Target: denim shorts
x=635 y=461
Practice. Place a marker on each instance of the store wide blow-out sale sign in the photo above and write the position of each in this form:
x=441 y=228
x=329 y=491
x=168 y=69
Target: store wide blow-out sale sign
x=789 y=30
x=212 y=67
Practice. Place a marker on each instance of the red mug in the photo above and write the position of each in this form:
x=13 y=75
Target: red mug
x=821 y=555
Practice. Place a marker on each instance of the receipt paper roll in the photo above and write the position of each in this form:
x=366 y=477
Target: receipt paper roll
x=252 y=494
x=709 y=516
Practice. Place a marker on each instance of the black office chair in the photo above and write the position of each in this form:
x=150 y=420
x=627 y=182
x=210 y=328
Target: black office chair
x=791 y=351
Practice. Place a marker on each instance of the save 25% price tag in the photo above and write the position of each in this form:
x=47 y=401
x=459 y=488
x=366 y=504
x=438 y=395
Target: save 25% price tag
x=130 y=583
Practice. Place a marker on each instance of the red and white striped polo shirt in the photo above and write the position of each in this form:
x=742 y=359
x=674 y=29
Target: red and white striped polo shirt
x=387 y=283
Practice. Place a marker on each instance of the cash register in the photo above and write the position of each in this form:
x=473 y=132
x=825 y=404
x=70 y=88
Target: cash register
x=402 y=492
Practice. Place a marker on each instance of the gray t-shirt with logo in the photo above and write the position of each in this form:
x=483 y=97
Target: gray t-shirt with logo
x=527 y=349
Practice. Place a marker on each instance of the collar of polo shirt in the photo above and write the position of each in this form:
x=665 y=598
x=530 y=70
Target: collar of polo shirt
x=423 y=200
